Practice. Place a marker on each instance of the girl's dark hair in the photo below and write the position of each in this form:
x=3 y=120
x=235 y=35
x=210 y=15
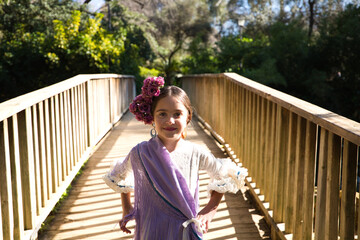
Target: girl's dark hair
x=177 y=93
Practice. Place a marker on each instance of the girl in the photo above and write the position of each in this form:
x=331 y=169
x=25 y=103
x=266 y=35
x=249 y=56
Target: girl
x=163 y=171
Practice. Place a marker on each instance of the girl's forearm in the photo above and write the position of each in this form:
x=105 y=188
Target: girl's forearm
x=213 y=203
x=126 y=203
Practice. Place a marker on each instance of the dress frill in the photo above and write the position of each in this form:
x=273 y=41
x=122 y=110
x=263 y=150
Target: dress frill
x=119 y=183
x=231 y=178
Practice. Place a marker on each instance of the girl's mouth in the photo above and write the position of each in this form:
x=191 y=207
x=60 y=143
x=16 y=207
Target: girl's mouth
x=170 y=129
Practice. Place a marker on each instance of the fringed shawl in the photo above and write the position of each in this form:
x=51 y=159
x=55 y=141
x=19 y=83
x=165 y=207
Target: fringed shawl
x=163 y=201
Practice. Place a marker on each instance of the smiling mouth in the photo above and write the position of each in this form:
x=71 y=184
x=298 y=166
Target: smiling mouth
x=170 y=129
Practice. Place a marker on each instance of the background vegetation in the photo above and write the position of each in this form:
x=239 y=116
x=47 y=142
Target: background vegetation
x=307 y=48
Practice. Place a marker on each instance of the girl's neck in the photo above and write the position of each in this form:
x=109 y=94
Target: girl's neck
x=171 y=145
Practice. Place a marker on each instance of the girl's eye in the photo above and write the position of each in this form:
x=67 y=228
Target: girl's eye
x=162 y=114
x=177 y=114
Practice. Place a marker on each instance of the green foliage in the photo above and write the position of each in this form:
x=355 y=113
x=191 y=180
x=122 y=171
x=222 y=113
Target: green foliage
x=147 y=72
x=337 y=54
x=267 y=74
x=72 y=47
x=33 y=16
x=289 y=46
x=201 y=58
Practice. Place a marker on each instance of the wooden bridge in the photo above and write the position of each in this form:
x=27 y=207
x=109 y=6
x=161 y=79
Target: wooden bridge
x=302 y=159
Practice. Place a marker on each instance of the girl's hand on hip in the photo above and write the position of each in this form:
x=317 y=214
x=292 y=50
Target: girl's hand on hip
x=123 y=227
x=206 y=215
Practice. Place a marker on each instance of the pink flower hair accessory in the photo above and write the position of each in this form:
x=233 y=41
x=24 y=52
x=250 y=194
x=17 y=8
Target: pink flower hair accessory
x=141 y=105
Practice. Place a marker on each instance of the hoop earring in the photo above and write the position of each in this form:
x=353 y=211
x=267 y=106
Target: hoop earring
x=153 y=132
x=184 y=134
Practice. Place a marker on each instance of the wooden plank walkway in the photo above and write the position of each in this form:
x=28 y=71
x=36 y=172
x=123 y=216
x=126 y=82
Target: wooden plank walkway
x=92 y=210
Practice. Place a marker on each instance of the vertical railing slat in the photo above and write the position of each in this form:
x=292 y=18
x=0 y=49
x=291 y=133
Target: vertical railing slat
x=16 y=177
x=252 y=118
x=36 y=159
x=63 y=141
x=1 y=220
x=347 y=216
x=67 y=142
x=257 y=137
x=271 y=156
x=71 y=114
x=267 y=150
x=309 y=180
x=321 y=186
x=48 y=146
x=290 y=173
x=332 y=187
x=42 y=155
x=53 y=147
x=281 y=143
x=243 y=126
x=74 y=126
x=262 y=172
x=27 y=167
x=299 y=177
x=5 y=186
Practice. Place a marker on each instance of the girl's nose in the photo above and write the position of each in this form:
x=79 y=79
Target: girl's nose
x=171 y=120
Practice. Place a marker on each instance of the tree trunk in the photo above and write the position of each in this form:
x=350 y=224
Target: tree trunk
x=311 y=16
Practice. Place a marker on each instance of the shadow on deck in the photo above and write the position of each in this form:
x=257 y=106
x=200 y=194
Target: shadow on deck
x=92 y=210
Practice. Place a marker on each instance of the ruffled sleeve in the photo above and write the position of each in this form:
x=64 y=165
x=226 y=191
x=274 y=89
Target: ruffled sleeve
x=225 y=175
x=120 y=176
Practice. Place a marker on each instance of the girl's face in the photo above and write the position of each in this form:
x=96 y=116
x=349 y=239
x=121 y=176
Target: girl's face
x=171 y=118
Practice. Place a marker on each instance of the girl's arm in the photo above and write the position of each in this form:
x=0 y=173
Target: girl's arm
x=208 y=212
x=127 y=208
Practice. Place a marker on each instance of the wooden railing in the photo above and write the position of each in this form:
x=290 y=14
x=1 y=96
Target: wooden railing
x=302 y=159
x=45 y=137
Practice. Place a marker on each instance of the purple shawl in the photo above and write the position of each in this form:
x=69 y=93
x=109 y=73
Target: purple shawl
x=163 y=201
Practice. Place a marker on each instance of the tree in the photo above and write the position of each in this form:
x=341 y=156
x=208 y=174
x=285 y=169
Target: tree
x=71 y=47
x=336 y=53
x=32 y=16
x=169 y=26
x=175 y=25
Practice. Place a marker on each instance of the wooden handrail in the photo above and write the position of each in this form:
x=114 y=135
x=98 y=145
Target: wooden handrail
x=295 y=151
x=45 y=137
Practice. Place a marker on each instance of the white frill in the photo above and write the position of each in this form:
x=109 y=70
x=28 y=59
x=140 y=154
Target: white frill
x=120 y=186
x=230 y=178
x=120 y=177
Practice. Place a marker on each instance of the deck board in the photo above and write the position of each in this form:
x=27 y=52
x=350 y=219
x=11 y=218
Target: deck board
x=92 y=210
